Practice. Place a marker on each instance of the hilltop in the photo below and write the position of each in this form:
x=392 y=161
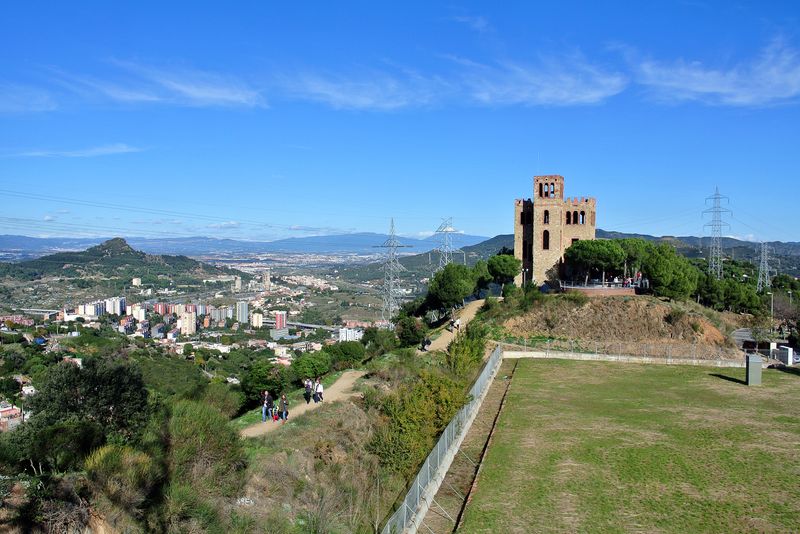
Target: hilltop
x=56 y=278
x=109 y=258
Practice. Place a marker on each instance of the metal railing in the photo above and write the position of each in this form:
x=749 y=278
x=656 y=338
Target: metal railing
x=432 y=472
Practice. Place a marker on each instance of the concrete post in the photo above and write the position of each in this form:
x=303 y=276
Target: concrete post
x=753 y=364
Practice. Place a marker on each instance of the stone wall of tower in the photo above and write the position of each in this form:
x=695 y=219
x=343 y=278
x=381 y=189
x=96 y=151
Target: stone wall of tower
x=553 y=224
x=523 y=237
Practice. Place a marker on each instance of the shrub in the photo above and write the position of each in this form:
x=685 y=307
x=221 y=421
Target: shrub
x=345 y=354
x=576 y=297
x=674 y=316
x=227 y=399
x=124 y=475
x=311 y=365
x=205 y=452
x=410 y=331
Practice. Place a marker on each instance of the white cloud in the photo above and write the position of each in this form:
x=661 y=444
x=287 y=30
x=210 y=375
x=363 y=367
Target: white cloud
x=772 y=77
x=479 y=24
x=16 y=98
x=49 y=218
x=227 y=225
x=104 y=150
x=563 y=81
x=138 y=83
x=370 y=90
x=554 y=81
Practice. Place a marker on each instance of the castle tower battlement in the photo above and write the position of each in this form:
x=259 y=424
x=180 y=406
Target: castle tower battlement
x=547 y=224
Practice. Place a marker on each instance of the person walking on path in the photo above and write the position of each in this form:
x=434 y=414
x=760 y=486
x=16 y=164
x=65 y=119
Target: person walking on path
x=308 y=385
x=319 y=390
x=283 y=406
x=269 y=403
x=264 y=397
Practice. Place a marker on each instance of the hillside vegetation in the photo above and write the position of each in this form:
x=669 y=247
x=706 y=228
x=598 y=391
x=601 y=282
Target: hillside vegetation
x=606 y=323
x=72 y=277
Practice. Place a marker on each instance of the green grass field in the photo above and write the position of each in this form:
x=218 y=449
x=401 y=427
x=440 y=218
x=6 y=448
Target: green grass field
x=607 y=447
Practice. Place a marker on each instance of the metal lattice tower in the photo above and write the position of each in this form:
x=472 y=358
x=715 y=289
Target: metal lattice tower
x=764 y=279
x=445 y=233
x=717 y=224
x=391 y=269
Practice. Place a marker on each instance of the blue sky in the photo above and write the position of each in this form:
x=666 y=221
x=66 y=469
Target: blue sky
x=262 y=120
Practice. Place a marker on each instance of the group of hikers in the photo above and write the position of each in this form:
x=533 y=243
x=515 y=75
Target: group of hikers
x=275 y=410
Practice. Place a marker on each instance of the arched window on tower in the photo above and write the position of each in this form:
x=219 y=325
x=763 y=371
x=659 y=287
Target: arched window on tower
x=569 y=217
x=546 y=240
x=552 y=190
x=541 y=190
x=583 y=217
x=574 y=217
x=547 y=216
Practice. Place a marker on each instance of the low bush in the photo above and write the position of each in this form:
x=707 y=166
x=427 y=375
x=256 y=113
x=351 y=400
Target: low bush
x=124 y=475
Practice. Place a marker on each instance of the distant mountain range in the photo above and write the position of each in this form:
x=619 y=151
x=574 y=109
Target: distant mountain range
x=419 y=254
x=17 y=247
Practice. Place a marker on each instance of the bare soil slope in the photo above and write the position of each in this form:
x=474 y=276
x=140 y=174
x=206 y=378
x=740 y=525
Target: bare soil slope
x=603 y=320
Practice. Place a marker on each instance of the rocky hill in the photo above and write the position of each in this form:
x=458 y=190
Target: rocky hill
x=108 y=268
x=114 y=257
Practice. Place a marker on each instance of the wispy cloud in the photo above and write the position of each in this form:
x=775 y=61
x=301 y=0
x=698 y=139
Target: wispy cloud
x=227 y=225
x=479 y=24
x=140 y=83
x=561 y=81
x=49 y=218
x=104 y=150
x=552 y=81
x=772 y=77
x=369 y=90
x=15 y=98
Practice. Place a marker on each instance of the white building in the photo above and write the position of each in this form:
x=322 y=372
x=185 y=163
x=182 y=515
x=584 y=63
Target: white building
x=350 y=334
x=116 y=306
x=257 y=320
x=242 y=312
x=188 y=323
x=136 y=282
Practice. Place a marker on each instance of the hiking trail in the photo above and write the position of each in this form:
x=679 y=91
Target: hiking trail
x=342 y=389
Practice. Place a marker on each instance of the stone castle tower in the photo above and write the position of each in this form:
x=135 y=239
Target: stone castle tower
x=547 y=225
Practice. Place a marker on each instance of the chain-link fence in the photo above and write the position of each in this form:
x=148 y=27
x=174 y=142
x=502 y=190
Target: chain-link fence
x=427 y=481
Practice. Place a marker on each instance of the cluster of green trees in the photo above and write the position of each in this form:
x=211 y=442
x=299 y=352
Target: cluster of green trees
x=452 y=284
x=669 y=274
x=422 y=404
x=149 y=463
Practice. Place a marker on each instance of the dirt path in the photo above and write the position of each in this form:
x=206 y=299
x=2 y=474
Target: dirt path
x=466 y=314
x=340 y=390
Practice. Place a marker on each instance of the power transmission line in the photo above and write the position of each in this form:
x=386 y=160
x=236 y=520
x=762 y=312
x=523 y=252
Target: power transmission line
x=764 y=272
x=391 y=271
x=445 y=235
x=715 y=250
